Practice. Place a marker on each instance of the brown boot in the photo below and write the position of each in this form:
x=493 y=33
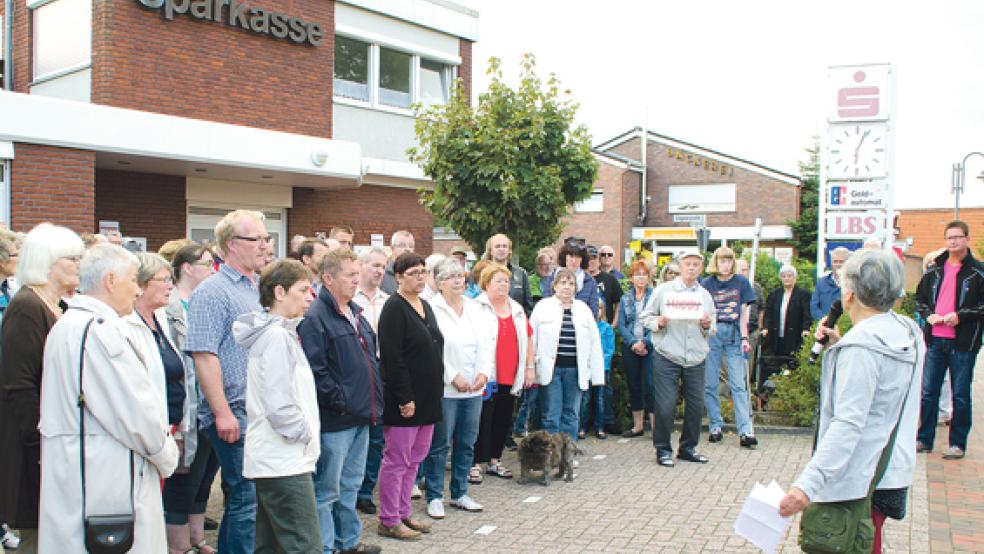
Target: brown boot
x=398 y=531
x=417 y=525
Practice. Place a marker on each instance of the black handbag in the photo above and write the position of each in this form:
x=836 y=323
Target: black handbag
x=104 y=534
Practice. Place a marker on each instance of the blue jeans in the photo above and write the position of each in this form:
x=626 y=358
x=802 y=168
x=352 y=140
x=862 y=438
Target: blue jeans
x=238 y=529
x=596 y=396
x=562 y=402
x=527 y=408
x=726 y=343
x=374 y=458
x=941 y=354
x=460 y=428
x=337 y=478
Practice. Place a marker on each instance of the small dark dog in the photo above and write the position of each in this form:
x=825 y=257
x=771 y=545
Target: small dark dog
x=542 y=451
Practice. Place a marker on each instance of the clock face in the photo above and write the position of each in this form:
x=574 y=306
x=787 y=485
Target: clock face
x=857 y=151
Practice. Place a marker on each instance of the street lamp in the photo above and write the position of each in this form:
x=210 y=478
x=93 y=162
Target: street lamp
x=957 y=182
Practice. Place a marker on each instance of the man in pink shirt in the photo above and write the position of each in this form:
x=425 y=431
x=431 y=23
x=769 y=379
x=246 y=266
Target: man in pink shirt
x=950 y=298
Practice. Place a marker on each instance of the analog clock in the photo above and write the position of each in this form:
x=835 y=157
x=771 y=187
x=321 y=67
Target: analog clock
x=857 y=151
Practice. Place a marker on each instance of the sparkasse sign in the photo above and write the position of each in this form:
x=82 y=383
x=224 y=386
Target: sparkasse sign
x=238 y=14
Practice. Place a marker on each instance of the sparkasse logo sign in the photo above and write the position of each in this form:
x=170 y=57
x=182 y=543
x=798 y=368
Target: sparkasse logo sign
x=238 y=14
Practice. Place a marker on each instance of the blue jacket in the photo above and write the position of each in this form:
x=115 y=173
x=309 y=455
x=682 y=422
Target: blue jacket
x=627 y=317
x=345 y=366
x=588 y=293
x=823 y=296
x=607 y=335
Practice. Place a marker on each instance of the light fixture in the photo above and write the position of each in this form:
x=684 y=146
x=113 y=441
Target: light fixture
x=123 y=162
x=319 y=157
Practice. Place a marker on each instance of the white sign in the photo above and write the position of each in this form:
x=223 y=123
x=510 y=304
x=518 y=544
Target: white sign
x=784 y=255
x=683 y=305
x=860 y=93
x=376 y=239
x=107 y=226
x=855 y=225
x=857 y=195
x=695 y=220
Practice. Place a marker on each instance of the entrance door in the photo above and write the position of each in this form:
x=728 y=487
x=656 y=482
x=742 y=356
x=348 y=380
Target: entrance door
x=202 y=221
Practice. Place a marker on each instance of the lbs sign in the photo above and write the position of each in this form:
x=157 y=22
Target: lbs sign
x=855 y=225
x=237 y=14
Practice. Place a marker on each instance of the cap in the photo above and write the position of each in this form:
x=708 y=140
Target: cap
x=459 y=250
x=690 y=253
x=592 y=251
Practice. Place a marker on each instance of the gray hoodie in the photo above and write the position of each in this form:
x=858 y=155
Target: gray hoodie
x=864 y=380
x=683 y=342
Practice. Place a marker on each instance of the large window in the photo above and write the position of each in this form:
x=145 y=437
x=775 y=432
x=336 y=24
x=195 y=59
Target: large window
x=594 y=203
x=702 y=198
x=387 y=77
x=394 y=78
x=62 y=36
x=351 y=68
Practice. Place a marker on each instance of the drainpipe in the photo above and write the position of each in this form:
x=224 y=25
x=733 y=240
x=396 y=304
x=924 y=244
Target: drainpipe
x=8 y=84
x=643 y=192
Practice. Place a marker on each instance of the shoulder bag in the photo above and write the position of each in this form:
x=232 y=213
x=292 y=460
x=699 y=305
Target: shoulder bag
x=105 y=534
x=846 y=527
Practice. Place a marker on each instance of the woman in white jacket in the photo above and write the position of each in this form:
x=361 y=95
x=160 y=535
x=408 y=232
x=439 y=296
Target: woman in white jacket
x=282 y=442
x=568 y=353
x=468 y=362
x=123 y=411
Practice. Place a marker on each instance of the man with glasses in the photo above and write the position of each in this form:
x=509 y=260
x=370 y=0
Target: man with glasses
x=950 y=299
x=220 y=363
x=606 y=257
x=828 y=287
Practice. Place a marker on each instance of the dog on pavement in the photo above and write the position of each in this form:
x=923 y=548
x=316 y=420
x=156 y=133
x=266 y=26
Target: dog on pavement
x=543 y=451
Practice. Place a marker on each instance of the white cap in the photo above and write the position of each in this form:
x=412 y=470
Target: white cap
x=691 y=252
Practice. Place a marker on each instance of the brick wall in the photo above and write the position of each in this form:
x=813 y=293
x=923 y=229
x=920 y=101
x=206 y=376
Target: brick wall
x=605 y=227
x=925 y=228
x=368 y=209
x=757 y=195
x=145 y=204
x=465 y=70
x=21 y=44
x=52 y=184
x=213 y=71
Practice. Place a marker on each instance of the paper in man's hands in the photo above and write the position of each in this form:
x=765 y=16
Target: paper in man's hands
x=759 y=520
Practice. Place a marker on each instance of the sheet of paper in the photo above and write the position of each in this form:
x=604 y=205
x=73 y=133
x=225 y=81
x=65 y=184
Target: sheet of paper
x=485 y=530
x=759 y=521
x=682 y=305
x=531 y=499
x=599 y=456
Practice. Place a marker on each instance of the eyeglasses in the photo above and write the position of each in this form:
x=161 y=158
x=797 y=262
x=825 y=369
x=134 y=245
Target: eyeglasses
x=167 y=280
x=75 y=259
x=607 y=254
x=955 y=237
x=416 y=273
x=264 y=238
x=204 y=263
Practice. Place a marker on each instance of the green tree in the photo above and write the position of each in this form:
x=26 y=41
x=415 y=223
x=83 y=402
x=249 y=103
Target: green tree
x=513 y=164
x=805 y=228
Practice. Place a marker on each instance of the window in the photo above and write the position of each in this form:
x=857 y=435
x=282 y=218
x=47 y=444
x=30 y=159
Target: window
x=62 y=36
x=394 y=78
x=434 y=77
x=593 y=204
x=702 y=198
x=351 y=68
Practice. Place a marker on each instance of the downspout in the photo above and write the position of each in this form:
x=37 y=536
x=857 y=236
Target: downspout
x=8 y=85
x=643 y=192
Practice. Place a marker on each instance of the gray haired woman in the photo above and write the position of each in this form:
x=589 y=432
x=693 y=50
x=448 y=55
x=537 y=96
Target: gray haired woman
x=870 y=382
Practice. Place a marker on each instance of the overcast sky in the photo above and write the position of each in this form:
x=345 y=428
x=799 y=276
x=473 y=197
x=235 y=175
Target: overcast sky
x=749 y=78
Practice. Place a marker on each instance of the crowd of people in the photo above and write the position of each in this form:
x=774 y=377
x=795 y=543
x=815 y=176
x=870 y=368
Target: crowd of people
x=312 y=380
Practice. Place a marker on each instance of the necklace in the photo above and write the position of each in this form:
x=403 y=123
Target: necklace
x=52 y=305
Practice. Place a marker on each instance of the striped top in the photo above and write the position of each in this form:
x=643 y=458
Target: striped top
x=567 y=345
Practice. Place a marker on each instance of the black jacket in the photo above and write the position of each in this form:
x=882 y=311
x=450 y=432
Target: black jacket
x=519 y=288
x=345 y=366
x=798 y=319
x=969 y=301
x=411 y=353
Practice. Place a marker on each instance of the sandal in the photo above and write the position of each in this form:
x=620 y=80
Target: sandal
x=475 y=475
x=499 y=470
x=203 y=548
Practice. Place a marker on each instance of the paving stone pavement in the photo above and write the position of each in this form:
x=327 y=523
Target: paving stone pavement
x=625 y=502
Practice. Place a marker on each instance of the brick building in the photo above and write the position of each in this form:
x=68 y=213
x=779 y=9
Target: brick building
x=162 y=115
x=686 y=185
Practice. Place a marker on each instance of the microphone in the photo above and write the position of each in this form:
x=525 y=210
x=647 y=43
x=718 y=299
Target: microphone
x=836 y=310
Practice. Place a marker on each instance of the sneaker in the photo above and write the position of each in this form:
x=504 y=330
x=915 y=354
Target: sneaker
x=398 y=531
x=362 y=548
x=467 y=504
x=366 y=506
x=435 y=509
x=953 y=453
x=715 y=436
x=416 y=494
x=748 y=441
x=9 y=540
x=574 y=463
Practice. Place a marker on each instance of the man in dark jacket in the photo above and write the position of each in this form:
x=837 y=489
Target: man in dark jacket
x=950 y=299
x=499 y=249
x=341 y=348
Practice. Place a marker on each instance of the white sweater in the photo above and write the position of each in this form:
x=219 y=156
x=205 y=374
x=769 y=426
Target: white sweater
x=468 y=344
x=546 y=319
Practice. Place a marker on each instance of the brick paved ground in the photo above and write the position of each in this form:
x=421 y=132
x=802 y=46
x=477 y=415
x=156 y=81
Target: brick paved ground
x=956 y=489
x=626 y=503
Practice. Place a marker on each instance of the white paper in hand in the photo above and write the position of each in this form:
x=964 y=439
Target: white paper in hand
x=759 y=521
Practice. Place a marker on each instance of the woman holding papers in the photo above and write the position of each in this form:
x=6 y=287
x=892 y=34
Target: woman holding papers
x=869 y=395
x=679 y=315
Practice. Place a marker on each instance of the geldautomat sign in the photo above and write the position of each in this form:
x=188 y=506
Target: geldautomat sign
x=237 y=14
